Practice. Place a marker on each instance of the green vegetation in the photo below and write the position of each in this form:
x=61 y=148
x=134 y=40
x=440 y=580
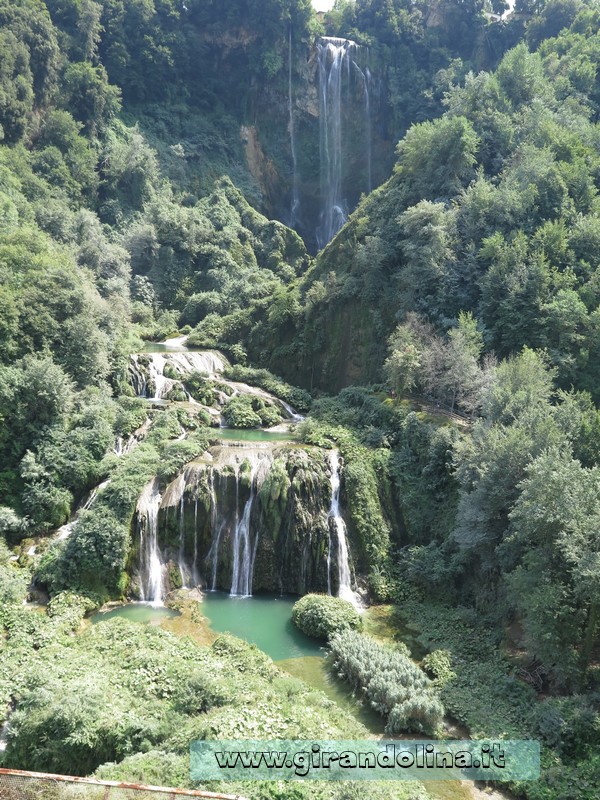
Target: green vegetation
x=446 y=343
x=244 y=411
x=300 y=399
x=320 y=615
x=124 y=700
x=394 y=686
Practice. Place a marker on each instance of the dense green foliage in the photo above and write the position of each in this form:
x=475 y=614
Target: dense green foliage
x=492 y=210
x=243 y=411
x=298 y=398
x=320 y=615
x=137 y=141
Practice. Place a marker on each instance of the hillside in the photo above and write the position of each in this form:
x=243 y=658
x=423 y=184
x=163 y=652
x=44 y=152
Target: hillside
x=299 y=305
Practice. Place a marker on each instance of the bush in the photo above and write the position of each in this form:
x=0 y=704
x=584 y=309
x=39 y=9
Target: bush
x=393 y=684
x=438 y=665
x=176 y=454
x=320 y=615
x=239 y=413
x=269 y=416
x=200 y=387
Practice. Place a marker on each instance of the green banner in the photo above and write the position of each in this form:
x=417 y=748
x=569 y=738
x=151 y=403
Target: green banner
x=497 y=760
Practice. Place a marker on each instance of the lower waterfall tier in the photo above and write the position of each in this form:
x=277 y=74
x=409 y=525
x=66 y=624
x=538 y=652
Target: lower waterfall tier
x=243 y=519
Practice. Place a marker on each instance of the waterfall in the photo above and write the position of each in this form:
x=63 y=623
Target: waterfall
x=142 y=376
x=156 y=369
x=222 y=502
x=67 y=529
x=213 y=556
x=243 y=551
x=365 y=78
x=335 y=57
x=4 y=732
x=195 y=576
x=213 y=553
x=124 y=447
x=181 y=553
x=293 y=415
x=335 y=520
x=295 y=194
x=151 y=567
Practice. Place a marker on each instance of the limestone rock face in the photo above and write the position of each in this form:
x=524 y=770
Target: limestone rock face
x=243 y=519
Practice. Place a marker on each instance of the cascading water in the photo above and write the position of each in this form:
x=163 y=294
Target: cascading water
x=365 y=78
x=243 y=551
x=181 y=553
x=217 y=531
x=339 y=527
x=124 y=446
x=335 y=57
x=150 y=372
x=195 y=575
x=237 y=506
x=67 y=529
x=151 y=568
x=293 y=415
x=295 y=205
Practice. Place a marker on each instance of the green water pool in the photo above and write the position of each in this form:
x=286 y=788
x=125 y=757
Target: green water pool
x=250 y=435
x=264 y=620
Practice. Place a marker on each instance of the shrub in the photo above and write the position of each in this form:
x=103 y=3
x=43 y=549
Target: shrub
x=438 y=665
x=320 y=615
x=239 y=413
x=200 y=387
x=393 y=684
x=176 y=454
x=269 y=416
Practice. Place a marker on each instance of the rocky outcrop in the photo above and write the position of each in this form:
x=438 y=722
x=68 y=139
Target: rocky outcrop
x=243 y=519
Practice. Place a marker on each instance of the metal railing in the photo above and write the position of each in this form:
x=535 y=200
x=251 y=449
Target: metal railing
x=21 y=785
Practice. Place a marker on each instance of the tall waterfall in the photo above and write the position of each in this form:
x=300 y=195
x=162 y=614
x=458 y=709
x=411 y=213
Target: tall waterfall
x=339 y=527
x=244 y=551
x=295 y=206
x=181 y=554
x=337 y=63
x=151 y=567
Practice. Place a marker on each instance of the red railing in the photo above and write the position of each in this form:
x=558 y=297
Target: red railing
x=21 y=785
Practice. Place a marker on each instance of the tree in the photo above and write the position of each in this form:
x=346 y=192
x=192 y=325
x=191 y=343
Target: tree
x=555 y=524
x=464 y=379
x=522 y=383
x=403 y=362
x=436 y=159
x=16 y=87
x=554 y=16
x=30 y=23
x=89 y=96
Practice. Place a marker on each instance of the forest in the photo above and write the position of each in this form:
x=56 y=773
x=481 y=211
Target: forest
x=308 y=306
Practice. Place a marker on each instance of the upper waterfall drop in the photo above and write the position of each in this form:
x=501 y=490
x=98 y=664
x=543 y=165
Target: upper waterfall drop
x=338 y=63
x=295 y=203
